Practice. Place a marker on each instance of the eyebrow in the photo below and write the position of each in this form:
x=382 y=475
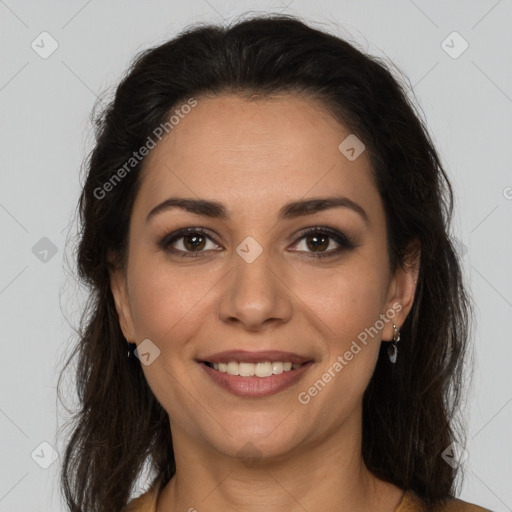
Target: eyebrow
x=214 y=209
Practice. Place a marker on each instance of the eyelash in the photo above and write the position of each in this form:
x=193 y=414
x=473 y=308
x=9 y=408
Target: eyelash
x=345 y=242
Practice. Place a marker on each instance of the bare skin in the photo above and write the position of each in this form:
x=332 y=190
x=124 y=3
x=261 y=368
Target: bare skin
x=254 y=157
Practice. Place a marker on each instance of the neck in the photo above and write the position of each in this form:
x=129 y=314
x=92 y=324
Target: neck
x=310 y=477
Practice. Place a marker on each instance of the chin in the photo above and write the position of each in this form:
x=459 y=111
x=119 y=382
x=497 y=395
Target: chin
x=265 y=442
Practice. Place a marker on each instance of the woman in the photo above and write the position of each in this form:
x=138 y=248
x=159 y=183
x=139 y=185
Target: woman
x=265 y=219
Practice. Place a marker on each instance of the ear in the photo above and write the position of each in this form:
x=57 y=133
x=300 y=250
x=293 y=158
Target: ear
x=118 y=285
x=402 y=289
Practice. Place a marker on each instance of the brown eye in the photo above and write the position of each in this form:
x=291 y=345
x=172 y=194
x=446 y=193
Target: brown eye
x=194 y=242
x=318 y=240
x=187 y=242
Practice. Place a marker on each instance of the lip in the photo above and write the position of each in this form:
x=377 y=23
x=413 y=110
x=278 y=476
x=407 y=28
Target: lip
x=256 y=387
x=254 y=357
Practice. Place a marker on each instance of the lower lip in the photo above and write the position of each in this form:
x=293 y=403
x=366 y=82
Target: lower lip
x=256 y=386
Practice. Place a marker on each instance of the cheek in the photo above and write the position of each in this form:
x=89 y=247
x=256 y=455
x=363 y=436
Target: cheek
x=345 y=304
x=166 y=301
x=347 y=298
x=170 y=307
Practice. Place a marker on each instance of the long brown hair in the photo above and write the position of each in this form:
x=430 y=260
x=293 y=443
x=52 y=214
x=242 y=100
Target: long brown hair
x=410 y=408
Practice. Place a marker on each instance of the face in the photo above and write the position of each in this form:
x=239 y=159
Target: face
x=310 y=282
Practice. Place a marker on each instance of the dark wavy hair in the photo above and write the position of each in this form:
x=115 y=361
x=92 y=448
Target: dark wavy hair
x=410 y=409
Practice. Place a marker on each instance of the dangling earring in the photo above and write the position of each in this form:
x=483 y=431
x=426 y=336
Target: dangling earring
x=393 y=349
x=130 y=347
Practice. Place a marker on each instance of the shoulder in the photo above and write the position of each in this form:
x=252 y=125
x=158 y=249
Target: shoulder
x=413 y=503
x=456 y=505
x=410 y=503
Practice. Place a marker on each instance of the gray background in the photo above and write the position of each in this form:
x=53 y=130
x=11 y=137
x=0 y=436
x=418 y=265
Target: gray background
x=45 y=135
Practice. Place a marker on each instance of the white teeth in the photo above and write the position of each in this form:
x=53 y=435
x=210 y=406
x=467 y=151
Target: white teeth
x=265 y=369
x=246 y=369
x=277 y=367
x=232 y=368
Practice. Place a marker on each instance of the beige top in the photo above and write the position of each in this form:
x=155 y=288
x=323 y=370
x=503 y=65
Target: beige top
x=410 y=503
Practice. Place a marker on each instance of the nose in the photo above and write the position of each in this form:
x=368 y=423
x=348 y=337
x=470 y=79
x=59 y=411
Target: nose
x=255 y=295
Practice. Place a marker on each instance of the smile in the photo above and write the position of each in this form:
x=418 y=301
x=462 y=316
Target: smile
x=262 y=370
x=255 y=380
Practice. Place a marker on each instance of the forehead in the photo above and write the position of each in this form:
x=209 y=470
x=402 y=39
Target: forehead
x=249 y=153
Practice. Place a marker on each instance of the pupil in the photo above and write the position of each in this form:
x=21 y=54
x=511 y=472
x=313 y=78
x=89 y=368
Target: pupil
x=196 y=242
x=323 y=245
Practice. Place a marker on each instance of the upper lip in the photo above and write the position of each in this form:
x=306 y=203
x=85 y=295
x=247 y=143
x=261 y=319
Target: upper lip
x=254 y=357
